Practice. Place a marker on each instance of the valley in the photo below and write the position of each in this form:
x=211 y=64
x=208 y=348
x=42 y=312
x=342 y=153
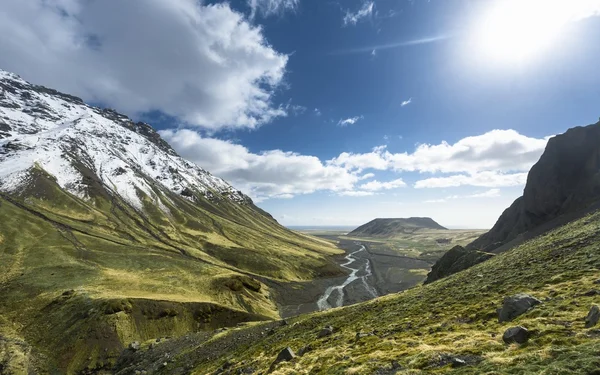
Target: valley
x=375 y=267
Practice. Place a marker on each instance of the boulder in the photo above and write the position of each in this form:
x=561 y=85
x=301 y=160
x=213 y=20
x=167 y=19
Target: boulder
x=518 y=335
x=455 y=260
x=134 y=346
x=326 y=331
x=592 y=317
x=516 y=305
x=285 y=355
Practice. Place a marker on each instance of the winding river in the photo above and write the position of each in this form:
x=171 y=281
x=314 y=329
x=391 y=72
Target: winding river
x=334 y=295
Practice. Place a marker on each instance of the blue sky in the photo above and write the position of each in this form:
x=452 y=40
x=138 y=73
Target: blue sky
x=332 y=112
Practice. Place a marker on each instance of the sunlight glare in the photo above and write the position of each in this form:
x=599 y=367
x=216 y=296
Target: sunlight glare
x=518 y=30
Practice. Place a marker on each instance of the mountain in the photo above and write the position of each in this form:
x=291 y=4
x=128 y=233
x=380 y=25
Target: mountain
x=562 y=186
x=107 y=236
x=391 y=227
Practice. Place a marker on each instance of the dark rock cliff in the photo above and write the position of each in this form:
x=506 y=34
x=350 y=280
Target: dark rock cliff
x=562 y=186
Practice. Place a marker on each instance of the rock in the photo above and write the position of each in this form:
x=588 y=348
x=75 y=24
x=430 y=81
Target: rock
x=454 y=260
x=134 y=346
x=283 y=322
x=305 y=350
x=563 y=185
x=326 y=331
x=518 y=335
x=516 y=305
x=597 y=281
x=591 y=293
x=592 y=317
x=285 y=355
x=360 y=335
x=457 y=362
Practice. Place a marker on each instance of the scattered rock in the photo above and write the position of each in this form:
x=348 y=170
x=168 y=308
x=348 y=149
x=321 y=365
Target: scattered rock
x=135 y=346
x=518 y=335
x=285 y=355
x=457 y=362
x=360 y=335
x=591 y=293
x=326 y=331
x=283 y=322
x=592 y=317
x=305 y=350
x=516 y=305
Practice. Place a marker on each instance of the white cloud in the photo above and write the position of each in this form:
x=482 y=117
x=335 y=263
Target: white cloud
x=349 y=121
x=495 y=151
x=317 y=112
x=353 y=193
x=272 y=7
x=492 y=193
x=406 y=102
x=366 y=10
x=366 y=176
x=269 y=174
x=377 y=185
x=205 y=64
x=483 y=179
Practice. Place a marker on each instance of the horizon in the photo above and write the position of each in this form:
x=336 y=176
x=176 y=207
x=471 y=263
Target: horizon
x=330 y=114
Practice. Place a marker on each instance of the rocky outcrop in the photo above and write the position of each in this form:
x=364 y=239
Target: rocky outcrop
x=516 y=335
x=516 y=305
x=562 y=186
x=592 y=317
x=391 y=227
x=565 y=180
x=455 y=260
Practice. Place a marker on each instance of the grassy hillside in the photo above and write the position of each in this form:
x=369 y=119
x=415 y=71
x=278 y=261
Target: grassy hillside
x=81 y=279
x=422 y=329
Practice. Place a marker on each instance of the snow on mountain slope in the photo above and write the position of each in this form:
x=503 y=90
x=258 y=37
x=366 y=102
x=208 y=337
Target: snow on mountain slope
x=59 y=133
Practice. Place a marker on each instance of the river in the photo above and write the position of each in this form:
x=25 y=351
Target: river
x=334 y=295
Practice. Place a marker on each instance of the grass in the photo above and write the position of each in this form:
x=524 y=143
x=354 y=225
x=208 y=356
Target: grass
x=457 y=316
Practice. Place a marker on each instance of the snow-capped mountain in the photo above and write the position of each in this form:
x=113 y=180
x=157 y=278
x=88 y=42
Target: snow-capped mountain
x=59 y=133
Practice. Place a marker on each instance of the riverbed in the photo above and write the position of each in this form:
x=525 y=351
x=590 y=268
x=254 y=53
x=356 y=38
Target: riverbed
x=368 y=276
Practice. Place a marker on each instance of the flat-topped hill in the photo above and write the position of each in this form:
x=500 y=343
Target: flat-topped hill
x=390 y=227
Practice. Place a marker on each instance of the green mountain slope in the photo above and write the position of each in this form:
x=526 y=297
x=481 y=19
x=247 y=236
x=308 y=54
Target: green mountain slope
x=107 y=237
x=423 y=329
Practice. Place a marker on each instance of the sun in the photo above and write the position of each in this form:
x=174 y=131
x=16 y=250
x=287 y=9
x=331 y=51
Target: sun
x=519 y=30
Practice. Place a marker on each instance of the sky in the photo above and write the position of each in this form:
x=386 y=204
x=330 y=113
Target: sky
x=332 y=112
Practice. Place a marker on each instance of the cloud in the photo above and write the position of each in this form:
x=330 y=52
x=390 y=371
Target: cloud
x=483 y=179
x=317 y=112
x=352 y=193
x=349 y=121
x=405 y=43
x=376 y=185
x=492 y=193
x=204 y=64
x=268 y=8
x=269 y=174
x=367 y=176
x=497 y=150
x=365 y=11
x=406 y=102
